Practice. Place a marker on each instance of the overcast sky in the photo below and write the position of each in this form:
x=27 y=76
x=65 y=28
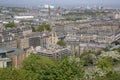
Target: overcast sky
x=110 y=3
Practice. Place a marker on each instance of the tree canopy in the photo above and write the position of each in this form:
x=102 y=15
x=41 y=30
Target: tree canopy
x=33 y=29
x=43 y=27
x=36 y=67
x=61 y=43
x=10 y=25
x=47 y=69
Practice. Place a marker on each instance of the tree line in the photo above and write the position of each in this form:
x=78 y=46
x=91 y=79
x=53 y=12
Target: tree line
x=77 y=67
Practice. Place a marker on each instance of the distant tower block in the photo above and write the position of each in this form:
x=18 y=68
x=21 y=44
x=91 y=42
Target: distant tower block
x=117 y=15
x=50 y=7
x=18 y=39
x=49 y=11
x=57 y=11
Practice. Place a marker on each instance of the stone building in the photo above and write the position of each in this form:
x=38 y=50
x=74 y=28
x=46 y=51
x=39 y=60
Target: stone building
x=12 y=57
x=54 y=52
x=42 y=39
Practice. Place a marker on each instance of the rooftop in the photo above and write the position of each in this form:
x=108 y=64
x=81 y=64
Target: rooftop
x=50 y=50
x=2 y=51
x=10 y=52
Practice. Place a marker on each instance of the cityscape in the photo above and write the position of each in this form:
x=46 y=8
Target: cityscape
x=59 y=40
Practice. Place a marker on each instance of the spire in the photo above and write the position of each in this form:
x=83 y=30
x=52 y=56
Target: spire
x=49 y=11
x=18 y=39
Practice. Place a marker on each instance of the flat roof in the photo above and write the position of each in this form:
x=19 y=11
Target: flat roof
x=2 y=51
x=10 y=52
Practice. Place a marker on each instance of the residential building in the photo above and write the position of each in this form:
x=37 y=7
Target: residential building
x=12 y=57
x=54 y=52
x=4 y=61
x=24 y=43
x=44 y=39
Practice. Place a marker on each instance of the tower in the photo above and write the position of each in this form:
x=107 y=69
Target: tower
x=57 y=11
x=17 y=38
x=49 y=11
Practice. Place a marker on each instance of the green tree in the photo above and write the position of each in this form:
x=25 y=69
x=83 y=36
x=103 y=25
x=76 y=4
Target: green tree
x=69 y=69
x=35 y=62
x=14 y=74
x=47 y=69
x=33 y=29
x=39 y=65
x=110 y=76
x=61 y=43
x=105 y=63
x=88 y=58
x=118 y=49
x=43 y=27
x=10 y=25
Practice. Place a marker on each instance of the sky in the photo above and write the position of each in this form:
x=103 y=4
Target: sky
x=106 y=3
